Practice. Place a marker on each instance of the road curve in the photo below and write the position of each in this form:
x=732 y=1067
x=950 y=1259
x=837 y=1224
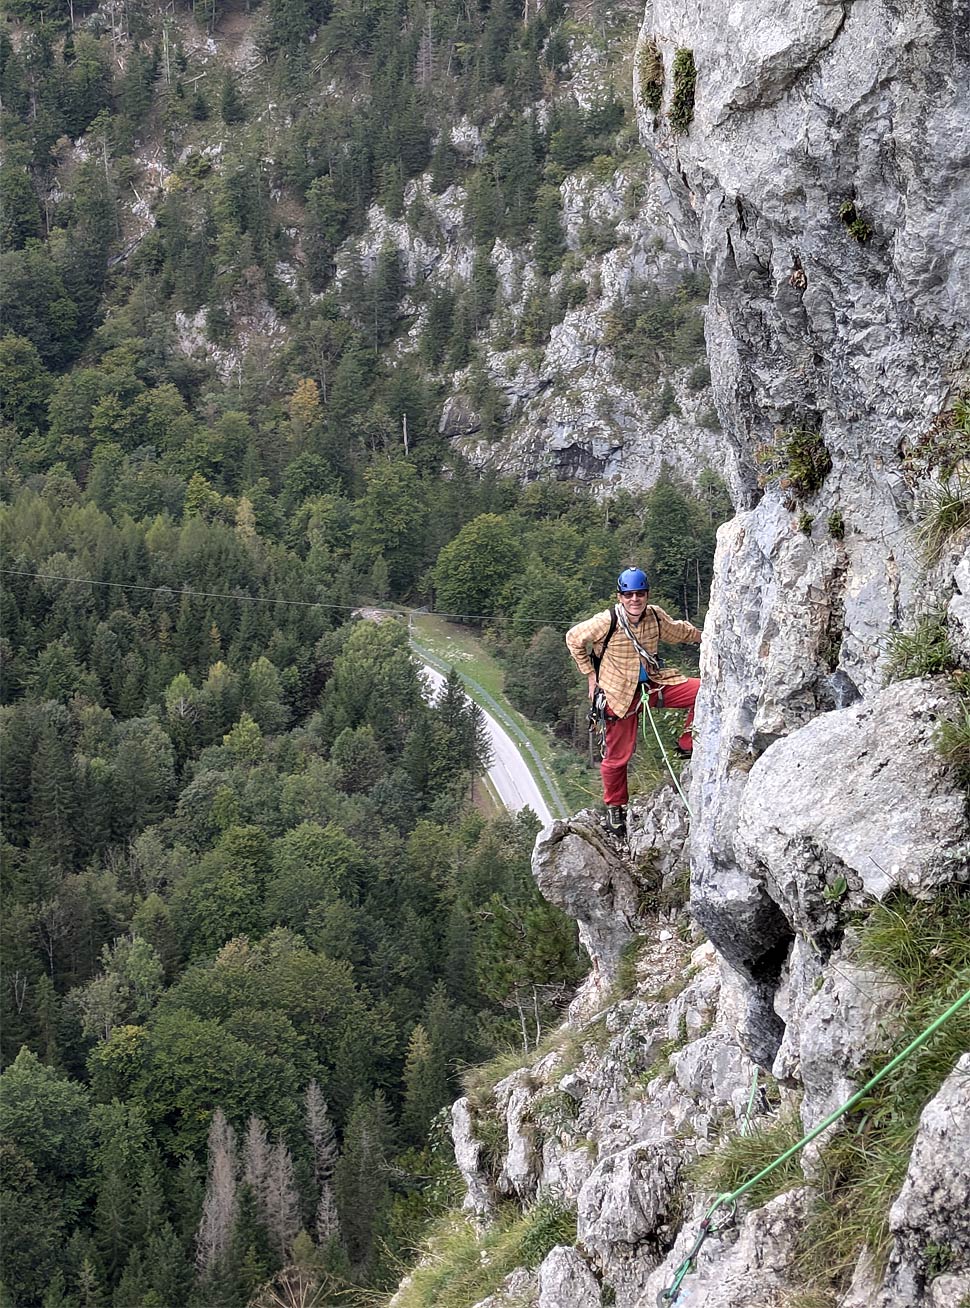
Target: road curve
x=513 y=782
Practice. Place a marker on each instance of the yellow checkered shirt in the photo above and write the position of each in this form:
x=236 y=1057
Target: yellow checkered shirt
x=619 y=674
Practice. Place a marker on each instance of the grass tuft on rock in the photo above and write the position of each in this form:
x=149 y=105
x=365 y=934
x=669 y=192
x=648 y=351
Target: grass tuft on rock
x=925 y=948
x=461 y=1264
x=944 y=512
x=744 y=1156
x=651 y=70
x=924 y=651
x=681 y=113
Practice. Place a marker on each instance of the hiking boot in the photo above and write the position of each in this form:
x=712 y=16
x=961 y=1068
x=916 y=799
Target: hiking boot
x=616 y=819
x=683 y=753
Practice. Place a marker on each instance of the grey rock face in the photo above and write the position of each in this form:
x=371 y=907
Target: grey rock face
x=627 y=1210
x=514 y=1097
x=833 y=1028
x=578 y=868
x=518 y=1288
x=565 y=1281
x=799 y=110
x=932 y=1212
x=468 y=1154
x=749 y=1272
x=856 y=803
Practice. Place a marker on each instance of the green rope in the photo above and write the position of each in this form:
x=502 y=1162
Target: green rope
x=669 y=1296
x=645 y=702
x=747 y=1112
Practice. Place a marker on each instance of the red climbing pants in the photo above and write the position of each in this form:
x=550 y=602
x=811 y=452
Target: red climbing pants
x=621 y=735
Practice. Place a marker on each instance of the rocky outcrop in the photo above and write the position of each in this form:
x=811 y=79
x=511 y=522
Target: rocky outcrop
x=822 y=177
x=811 y=169
x=930 y=1221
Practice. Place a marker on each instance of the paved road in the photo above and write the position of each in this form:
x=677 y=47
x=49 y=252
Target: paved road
x=509 y=775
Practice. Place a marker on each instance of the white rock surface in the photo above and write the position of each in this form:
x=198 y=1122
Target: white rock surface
x=565 y=1280
x=750 y=1271
x=807 y=815
x=931 y=1218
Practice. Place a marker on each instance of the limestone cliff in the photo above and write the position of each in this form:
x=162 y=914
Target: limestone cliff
x=815 y=156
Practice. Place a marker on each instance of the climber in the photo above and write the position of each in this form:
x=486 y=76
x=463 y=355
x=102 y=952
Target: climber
x=616 y=651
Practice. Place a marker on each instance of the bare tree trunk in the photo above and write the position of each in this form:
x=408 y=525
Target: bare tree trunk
x=323 y=1138
x=282 y=1200
x=521 y=1012
x=219 y=1205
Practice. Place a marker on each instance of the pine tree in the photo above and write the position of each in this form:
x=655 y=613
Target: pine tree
x=231 y=105
x=362 y=1187
x=550 y=241
x=425 y=1086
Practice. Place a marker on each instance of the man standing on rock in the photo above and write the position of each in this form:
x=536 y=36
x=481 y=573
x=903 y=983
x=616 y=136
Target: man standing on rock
x=616 y=651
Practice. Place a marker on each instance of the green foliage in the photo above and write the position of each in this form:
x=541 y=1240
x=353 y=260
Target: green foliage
x=944 y=512
x=836 y=525
x=201 y=757
x=799 y=460
x=924 y=947
x=855 y=224
x=925 y=651
x=461 y=1265
x=744 y=1156
x=24 y=384
x=651 y=74
x=650 y=330
x=473 y=569
x=681 y=112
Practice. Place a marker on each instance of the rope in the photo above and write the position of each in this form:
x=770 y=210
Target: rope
x=669 y=1296
x=747 y=1112
x=645 y=700
x=177 y=590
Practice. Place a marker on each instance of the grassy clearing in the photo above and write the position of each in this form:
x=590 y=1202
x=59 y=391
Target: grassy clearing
x=460 y=647
x=461 y=1265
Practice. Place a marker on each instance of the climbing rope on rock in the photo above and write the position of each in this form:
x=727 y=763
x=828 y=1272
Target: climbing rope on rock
x=669 y=1297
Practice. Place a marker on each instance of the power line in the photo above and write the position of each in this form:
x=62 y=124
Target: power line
x=400 y=612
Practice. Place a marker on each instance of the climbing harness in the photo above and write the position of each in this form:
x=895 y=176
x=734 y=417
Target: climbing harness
x=669 y=1297
x=651 y=662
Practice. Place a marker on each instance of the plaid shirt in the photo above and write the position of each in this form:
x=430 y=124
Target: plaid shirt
x=619 y=673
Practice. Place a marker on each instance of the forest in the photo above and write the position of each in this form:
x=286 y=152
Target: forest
x=253 y=925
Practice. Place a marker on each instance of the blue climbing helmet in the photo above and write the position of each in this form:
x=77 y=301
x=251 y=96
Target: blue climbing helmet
x=632 y=579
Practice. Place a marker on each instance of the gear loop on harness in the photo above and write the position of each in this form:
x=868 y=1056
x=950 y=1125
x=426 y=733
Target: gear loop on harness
x=596 y=721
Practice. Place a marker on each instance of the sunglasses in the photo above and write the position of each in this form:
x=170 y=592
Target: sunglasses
x=633 y=594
